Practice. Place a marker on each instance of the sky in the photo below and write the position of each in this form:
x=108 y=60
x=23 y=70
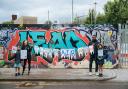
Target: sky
x=59 y=10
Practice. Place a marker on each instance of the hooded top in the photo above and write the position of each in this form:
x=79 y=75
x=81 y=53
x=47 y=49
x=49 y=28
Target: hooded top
x=16 y=56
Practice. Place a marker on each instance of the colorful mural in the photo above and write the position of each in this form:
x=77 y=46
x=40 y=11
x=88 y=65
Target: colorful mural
x=67 y=47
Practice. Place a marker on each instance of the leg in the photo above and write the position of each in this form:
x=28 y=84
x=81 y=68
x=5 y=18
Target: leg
x=24 y=66
x=90 y=65
x=96 y=65
x=29 y=65
x=16 y=71
x=99 y=69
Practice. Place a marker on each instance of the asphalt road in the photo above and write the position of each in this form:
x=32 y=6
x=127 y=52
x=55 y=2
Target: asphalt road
x=64 y=85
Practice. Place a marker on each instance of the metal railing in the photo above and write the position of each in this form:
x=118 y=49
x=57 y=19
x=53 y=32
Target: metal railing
x=123 y=45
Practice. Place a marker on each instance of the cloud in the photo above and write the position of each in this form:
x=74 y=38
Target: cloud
x=59 y=9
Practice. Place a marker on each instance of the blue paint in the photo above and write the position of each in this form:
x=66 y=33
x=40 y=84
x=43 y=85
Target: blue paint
x=77 y=42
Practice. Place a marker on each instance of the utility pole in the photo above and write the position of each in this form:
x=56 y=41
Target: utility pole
x=48 y=17
x=72 y=10
x=95 y=3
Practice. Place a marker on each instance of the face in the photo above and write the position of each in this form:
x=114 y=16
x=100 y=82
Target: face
x=18 y=48
x=25 y=43
x=100 y=46
x=93 y=37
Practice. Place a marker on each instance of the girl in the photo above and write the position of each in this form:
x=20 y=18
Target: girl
x=100 y=59
x=17 y=63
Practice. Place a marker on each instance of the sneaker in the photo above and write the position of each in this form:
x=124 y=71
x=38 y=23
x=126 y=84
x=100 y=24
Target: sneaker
x=90 y=73
x=22 y=73
x=100 y=75
x=96 y=73
x=28 y=72
x=16 y=74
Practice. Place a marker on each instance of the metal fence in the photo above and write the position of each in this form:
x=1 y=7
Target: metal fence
x=123 y=45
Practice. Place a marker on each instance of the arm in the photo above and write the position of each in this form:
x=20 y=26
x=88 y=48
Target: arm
x=90 y=43
x=29 y=48
x=12 y=57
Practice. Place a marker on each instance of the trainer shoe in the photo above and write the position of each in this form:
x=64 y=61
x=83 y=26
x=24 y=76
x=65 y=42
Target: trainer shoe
x=96 y=73
x=90 y=73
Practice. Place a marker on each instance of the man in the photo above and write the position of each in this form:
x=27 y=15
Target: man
x=93 y=55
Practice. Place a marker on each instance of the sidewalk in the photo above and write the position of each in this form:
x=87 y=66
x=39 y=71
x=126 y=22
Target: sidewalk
x=122 y=75
x=7 y=74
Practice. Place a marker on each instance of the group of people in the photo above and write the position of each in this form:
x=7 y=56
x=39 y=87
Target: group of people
x=96 y=55
x=17 y=57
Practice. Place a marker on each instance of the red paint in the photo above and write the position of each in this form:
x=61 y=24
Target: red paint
x=48 y=36
x=84 y=38
x=75 y=63
x=41 y=60
x=55 y=60
x=15 y=39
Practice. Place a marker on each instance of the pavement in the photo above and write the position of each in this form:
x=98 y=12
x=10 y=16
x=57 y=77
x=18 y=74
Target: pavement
x=121 y=75
x=7 y=74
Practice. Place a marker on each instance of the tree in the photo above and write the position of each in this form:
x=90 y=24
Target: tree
x=101 y=19
x=116 y=11
x=8 y=22
x=91 y=17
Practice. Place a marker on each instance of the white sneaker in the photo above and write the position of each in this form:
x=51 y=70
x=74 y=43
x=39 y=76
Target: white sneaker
x=90 y=73
x=96 y=73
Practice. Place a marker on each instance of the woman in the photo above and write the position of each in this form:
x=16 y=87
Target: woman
x=25 y=46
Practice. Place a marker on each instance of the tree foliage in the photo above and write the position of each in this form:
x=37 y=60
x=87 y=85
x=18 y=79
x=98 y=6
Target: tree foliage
x=91 y=17
x=116 y=11
x=100 y=19
x=8 y=22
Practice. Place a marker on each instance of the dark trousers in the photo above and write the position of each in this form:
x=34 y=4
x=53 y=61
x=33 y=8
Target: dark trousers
x=91 y=62
x=29 y=65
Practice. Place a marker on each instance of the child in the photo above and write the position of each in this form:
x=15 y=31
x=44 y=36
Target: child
x=100 y=59
x=17 y=63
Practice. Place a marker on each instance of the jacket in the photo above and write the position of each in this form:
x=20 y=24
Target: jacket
x=28 y=48
x=16 y=56
x=95 y=43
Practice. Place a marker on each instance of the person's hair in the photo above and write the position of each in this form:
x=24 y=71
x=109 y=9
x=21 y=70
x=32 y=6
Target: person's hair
x=94 y=35
x=18 y=44
x=23 y=44
x=100 y=46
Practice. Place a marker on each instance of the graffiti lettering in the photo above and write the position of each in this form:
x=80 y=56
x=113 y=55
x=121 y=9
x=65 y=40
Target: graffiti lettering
x=59 y=46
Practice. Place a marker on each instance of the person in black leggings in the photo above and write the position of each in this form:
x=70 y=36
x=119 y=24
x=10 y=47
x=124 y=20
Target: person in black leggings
x=25 y=46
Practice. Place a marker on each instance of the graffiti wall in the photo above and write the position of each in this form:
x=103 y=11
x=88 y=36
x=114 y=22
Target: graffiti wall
x=67 y=47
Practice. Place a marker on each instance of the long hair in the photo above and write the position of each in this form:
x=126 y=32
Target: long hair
x=23 y=44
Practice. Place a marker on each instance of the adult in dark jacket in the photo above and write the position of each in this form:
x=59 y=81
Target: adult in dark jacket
x=26 y=46
x=94 y=55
